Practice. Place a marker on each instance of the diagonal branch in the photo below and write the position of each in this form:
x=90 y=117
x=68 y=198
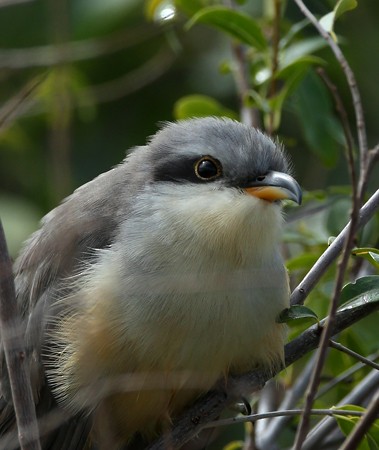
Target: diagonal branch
x=209 y=407
x=301 y=292
x=14 y=352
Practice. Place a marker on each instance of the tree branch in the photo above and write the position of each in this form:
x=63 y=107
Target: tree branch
x=357 y=103
x=15 y=357
x=355 y=355
x=301 y=292
x=209 y=407
x=69 y=52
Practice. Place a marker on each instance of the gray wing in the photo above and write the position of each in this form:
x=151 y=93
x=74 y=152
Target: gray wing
x=69 y=235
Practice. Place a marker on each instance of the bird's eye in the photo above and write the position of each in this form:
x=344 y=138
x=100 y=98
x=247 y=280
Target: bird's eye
x=207 y=168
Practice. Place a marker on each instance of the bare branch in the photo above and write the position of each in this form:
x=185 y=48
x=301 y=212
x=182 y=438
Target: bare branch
x=346 y=128
x=291 y=399
x=301 y=292
x=345 y=375
x=12 y=107
x=303 y=427
x=282 y=413
x=248 y=115
x=357 y=103
x=15 y=356
x=51 y=55
x=355 y=355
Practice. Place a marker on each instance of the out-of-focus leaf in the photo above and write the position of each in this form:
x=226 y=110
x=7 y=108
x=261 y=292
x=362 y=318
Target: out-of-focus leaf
x=371 y=254
x=321 y=129
x=293 y=31
x=14 y=138
x=298 y=67
x=190 y=7
x=254 y=99
x=201 y=106
x=364 y=290
x=297 y=50
x=237 y=24
x=235 y=445
x=373 y=442
x=297 y=312
x=328 y=20
x=303 y=261
x=338 y=215
x=69 y=86
x=293 y=76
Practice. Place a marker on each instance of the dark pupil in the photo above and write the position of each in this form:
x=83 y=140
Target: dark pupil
x=207 y=169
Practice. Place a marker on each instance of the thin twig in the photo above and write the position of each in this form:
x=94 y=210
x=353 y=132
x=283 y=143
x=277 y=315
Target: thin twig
x=112 y=90
x=355 y=355
x=292 y=396
x=12 y=2
x=281 y=413
x=55 y=54
x=248 y=115
x=358 y=192
x=363 y=425
x=345 y=125
x=275 y=58
x=15 y=356
x=344 y=376
x=15 y=103
x=357 y=103
x=303 y=427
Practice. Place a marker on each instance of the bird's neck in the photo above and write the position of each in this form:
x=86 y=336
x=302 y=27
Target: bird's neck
x=215 y=228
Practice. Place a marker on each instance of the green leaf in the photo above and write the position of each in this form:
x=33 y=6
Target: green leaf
x=298 y=67
x=297 y=50
x=237 y=24
x=296 y=312
x=302 y=261
x=364 y=290
x=347 y=423
x=255 y=100
x=293 y=31
x=190 y=7
x=201 y=106
x=292 y=75
x=327 y=21
x=315 y=112
x=371 y=254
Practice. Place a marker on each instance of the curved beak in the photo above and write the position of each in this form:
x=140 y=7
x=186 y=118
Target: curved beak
x=275 y=186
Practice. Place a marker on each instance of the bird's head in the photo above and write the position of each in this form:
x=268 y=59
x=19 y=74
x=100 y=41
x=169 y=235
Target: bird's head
x=216 y=179
x=225 y=154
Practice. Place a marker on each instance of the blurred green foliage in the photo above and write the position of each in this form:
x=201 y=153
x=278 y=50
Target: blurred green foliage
x=83 y=81
x=121 y=67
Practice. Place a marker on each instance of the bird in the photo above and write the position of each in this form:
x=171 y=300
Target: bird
x=155 y=280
